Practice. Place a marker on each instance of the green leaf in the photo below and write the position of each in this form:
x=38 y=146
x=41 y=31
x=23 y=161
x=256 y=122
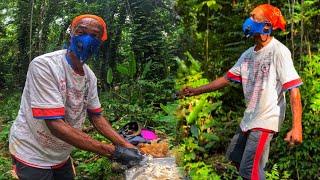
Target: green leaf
x=209 y=145
x=189 y=156
x=194 y=131
x=210 y=137
x=195 y=65
x=109 y=76
x=146 y=69
x=164 y=108
x=169 y=108
x=132 y=65
x=122 y=69
x=212 y=4
x=195 y=112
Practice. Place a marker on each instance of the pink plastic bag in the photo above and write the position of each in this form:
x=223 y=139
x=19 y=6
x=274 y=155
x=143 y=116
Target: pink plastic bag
x=148 y=134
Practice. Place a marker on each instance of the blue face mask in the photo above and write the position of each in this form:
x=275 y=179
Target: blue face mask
x=84 y=46
x=250 y=28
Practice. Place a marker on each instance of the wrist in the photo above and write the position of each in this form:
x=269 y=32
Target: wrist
x=122 y=143
x=198 y=91
x=297 y=128
x=108 y=150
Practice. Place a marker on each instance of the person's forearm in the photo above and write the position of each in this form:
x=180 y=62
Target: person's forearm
x=296 y=108
x=104 y=127
x=77 y=138
x=214 y=85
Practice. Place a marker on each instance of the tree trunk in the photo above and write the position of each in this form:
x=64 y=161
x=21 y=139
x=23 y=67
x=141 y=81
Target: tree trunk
x=302 y=29
x=21 y=64
x=308 y=44
x=207 y=41
x=292 y=30
x=48 y=13
x=30 y=30
x=41 y=29
x=110 y=48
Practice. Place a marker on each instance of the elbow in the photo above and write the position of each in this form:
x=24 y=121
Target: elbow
x=93 y=117
x=55 y=127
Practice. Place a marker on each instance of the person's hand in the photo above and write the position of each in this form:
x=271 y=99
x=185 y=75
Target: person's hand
x=186 y=92
x=130 y=146
x=127 y=156
x=294 y=137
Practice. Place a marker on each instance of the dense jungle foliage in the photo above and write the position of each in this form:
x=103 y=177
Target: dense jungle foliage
x=155 y=48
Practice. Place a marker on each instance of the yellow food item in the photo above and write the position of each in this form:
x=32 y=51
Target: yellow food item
x=155 y=149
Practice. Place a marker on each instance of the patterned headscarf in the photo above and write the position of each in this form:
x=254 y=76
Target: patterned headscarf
x=273 y=15
x=77 y=19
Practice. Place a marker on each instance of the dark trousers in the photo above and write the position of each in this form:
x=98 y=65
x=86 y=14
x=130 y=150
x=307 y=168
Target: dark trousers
x=25 y=172
x=249 y=151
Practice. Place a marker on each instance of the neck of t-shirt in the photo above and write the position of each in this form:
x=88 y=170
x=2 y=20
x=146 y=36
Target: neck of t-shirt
x=75 y=64
x=262 y=44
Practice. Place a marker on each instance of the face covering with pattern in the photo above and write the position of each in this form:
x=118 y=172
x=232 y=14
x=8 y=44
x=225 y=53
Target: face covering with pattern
x=84 y=46
x=250 y=28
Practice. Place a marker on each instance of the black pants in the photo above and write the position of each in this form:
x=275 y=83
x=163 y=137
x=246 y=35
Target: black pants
x=25 y=172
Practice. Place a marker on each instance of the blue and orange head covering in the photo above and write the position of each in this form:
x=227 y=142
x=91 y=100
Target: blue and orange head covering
x=273 y=15
x=77 y=19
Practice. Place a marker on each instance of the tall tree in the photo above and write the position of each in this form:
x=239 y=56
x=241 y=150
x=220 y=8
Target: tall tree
x=147 y=35
x=23 y=30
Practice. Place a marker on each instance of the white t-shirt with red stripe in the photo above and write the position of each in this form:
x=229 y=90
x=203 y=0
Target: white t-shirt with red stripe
x=52 y=91
x=265 y=75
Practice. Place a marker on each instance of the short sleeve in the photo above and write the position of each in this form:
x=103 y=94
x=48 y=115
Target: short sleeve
x=234 y=74
x=286 y=72
x=94 y=106
x=46 y=99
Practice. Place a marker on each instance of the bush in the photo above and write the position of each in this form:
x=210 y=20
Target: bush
x=9 y=107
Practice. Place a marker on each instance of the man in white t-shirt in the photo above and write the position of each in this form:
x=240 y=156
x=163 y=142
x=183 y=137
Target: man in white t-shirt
x=266 y=72
x=59 y=92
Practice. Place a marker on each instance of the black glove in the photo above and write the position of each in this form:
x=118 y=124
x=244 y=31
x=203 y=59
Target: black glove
x=127 y=156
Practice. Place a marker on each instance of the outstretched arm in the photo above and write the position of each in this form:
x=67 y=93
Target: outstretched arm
x=77 y=138
x=104 y=127
x=295 y=135
x=214 y=85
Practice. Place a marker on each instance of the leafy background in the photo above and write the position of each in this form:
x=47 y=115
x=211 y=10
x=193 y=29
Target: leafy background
x=156 y=47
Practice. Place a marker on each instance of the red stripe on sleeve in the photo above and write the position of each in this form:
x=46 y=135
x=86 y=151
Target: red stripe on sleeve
x=233 y=76
x=292 y=84
x=258 y=155
x=48 y=112
x=95 y=111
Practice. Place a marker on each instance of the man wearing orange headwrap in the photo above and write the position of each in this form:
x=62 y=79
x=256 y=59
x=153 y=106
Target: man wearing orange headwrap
x=60 y=90
x=266 y=72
